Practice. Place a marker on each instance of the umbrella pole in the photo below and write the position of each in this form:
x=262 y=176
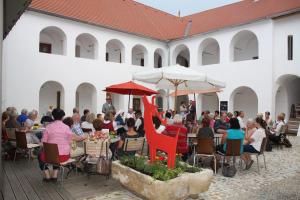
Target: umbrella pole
x=129 y=102
x=175 y=105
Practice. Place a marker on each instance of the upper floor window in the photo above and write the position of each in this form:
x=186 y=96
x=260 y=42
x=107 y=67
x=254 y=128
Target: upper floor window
x=244 y=46
x=181 y=55
x=209 y=52
x=115 y=51
x=290 y=47
x=86 y=46
x=139 y=55
x=52 y=41
x=158 y=58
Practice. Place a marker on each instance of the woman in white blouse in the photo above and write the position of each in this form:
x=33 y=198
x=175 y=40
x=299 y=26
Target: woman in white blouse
x=253 y=144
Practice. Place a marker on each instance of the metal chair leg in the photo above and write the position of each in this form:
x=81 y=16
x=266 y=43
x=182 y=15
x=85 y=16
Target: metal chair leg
x=257 y=163
x=265 y=161
x=62 y=175
x=215 y=161
x=15 y=155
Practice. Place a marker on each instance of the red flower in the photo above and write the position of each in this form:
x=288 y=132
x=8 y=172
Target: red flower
x=161 y=158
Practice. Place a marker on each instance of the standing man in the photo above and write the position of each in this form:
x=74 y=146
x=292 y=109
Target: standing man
x=108 y=107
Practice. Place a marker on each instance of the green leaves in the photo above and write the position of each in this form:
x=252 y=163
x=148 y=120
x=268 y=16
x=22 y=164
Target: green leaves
x=158 y=169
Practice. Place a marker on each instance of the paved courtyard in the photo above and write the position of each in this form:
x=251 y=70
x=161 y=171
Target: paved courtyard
x=281 y=180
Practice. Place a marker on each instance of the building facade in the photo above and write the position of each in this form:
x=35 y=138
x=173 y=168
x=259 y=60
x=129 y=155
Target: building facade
x=50 y=60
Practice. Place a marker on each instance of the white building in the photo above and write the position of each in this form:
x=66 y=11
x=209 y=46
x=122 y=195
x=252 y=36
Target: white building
x=253 y=46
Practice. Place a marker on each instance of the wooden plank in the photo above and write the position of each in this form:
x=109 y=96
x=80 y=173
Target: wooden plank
x=7 y=191
x=14 y=182
x=43 y=190
x=29 y=191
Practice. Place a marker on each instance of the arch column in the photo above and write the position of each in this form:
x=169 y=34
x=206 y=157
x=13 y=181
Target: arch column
x=150 y=59
x=69 y=101
x=128 y=54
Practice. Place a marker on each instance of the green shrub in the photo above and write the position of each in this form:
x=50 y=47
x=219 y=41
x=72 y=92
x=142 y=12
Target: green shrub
x=158 y=169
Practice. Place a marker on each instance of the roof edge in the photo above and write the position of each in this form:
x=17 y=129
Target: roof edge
x=93 y=24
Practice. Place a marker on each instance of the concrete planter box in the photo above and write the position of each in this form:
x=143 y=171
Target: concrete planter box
x=186 y=185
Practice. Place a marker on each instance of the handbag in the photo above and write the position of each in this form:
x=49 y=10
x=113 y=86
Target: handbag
x=229 y=170
x=104 y=163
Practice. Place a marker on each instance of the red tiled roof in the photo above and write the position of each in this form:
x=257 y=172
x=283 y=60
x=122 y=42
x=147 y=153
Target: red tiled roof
x=123 y=15
x=239 y=13
x=130 y=16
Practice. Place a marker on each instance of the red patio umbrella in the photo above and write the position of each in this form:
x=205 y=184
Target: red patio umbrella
x=130 y=88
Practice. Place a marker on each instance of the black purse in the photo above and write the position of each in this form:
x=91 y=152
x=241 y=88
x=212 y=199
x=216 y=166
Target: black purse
x=228 y=170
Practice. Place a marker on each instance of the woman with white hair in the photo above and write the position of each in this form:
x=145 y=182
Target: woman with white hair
x=250 y=129
x=88 y=124
x=29 y=123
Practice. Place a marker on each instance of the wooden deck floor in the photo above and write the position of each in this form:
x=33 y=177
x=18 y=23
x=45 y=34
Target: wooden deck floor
x=23 y=181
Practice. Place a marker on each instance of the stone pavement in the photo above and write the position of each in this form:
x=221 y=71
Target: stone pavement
x=281 y=180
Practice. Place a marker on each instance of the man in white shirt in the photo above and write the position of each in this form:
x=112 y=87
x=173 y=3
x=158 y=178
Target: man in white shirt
x=241 y=120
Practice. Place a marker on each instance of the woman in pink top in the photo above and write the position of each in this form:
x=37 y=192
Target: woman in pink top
x=57 y=133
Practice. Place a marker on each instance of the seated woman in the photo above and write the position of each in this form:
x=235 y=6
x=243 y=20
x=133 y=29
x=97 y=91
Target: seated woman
x=234 y=132
x=206 y=131
x=171 y=130
x=97 y=125
x=60 y=134
x=47 y=118
x=250 y=129
x=157 y=125
x=253 y=144
x=129 y=134
x=89 y=122
x=277 y=129
x=109 y=122
x=29 y=123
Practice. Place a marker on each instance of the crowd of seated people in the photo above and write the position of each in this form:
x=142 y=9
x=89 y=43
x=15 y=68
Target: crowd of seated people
x=62 y=130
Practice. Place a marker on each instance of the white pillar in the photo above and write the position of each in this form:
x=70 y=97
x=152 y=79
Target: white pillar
x=101 y=50
x=69 y=101
x=128 y=54
x=193 y=55
x=149 y=59
x=101 y=99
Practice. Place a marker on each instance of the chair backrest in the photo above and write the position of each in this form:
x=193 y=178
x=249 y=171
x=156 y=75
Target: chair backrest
x=11 y=133
x=96 y=148
x=21 y=139
x=51 y=153
x=86 y=130
x=134 y=144
x=263 y=145
x=233 y=147
x=205 y=146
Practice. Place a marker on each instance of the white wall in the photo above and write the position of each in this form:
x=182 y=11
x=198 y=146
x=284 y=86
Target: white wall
x=210 y=102
x=87 y=97
x=35 y=68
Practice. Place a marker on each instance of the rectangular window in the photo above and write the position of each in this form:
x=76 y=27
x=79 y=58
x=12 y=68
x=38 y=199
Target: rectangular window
x=290 y=47
x=120 y=57
x=58 y=99
x=106 y=56
x=45 y=48
x=142 y=62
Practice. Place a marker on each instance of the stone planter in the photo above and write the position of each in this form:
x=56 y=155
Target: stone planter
x=186 y=185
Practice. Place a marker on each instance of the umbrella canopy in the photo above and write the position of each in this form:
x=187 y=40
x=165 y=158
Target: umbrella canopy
x=186 y=92
x=130 y=88
x=178 y=78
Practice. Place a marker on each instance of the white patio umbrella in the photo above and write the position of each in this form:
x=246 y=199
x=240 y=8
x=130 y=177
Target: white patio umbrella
x=178 y=78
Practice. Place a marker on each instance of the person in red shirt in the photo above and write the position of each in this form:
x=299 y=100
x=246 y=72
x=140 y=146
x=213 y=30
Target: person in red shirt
x=171 y=130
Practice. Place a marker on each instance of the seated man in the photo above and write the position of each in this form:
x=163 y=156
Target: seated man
x=171 y=130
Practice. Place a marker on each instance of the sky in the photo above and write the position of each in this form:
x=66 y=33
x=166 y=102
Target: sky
x=186 y=7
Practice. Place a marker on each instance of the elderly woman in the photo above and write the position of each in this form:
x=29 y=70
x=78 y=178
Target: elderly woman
x=23 y=117
x=29 y=123
x=251 y=128
x=88 y=123
x=277 y=129
x=109 y=122
x=205 y=131
x=60 y=134
x=46 y=119
x=12 y=121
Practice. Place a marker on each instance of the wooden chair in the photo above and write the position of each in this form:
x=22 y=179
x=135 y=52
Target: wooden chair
x=205 y=148
x=11 y=133
x=21 y=144
x=262 y=150
x=233 y=149
x=52 y=158
x=134 y=144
